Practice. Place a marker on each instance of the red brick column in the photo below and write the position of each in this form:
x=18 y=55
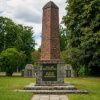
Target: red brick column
x=50 y=48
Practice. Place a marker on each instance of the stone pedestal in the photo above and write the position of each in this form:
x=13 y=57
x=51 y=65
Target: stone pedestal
x=50 y=72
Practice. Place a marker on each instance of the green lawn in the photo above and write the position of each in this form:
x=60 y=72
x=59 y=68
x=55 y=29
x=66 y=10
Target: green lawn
x=7 y=84
x=92 y=84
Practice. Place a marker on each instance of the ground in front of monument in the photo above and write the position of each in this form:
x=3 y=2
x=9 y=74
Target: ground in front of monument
x=49 y=97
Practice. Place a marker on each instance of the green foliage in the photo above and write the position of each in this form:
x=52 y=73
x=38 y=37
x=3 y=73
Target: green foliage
x=90 y=45
x=63 y=55
x=39 y=49
x=16 y=36
x=81 y=71
x=10 y=59
x=6 y=31
x=63 y=40
x=36 y=55
x=28 y=42
x=83 y=23
x=72 y=56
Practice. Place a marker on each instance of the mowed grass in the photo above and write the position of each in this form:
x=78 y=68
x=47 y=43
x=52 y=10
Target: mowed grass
x=8 y=84
x=91 y=84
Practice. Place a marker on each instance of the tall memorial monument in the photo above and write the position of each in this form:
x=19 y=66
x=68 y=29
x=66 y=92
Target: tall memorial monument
x=50 y=68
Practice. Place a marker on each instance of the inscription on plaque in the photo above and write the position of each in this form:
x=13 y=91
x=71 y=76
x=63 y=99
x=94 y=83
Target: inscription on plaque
x=49 y=72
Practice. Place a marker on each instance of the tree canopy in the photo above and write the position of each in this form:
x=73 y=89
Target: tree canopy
x=63 y=39
x=16 y=36
x=10 y=59
x=83 y=23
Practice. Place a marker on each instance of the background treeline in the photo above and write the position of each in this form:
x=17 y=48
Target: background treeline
x=82 y=22
x=16 y=45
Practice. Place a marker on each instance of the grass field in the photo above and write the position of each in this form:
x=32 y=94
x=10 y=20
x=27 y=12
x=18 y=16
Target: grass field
x=8 y=84
x=92 y=84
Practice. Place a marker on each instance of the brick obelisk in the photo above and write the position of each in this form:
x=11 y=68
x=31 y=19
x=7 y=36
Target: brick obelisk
x=50 y=69
x=50 y=48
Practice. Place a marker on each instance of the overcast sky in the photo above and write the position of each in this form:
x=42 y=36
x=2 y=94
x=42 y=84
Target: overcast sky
x=29 y=12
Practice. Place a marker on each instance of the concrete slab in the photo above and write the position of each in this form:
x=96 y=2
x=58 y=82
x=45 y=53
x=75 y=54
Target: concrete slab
x=44 y=97
x=54 y=97
x=36 y=97
x=63 y=97
x=49 y=97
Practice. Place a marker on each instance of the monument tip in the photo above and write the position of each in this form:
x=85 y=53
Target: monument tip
x=50 y=4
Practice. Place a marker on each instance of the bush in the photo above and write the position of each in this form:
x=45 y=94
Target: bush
x=81 y=71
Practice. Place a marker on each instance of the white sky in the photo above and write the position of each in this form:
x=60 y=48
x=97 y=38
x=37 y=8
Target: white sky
x=29 y=12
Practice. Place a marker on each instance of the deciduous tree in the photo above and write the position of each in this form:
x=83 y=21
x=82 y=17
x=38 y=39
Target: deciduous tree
x=83 y=22
x=16 y=36
x=10 y=59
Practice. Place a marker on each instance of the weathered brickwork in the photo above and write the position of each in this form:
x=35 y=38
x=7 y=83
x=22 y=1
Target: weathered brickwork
x=50 y=48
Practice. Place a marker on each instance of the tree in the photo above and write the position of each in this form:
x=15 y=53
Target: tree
x=10 y=59
x=6 y=28
x=63 y=40
x=36 y=55
x=21 y=60
x=28 y=42
x=16 y=36
x=83 y=22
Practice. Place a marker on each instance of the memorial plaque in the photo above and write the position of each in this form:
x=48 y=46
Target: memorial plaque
x=49 y=72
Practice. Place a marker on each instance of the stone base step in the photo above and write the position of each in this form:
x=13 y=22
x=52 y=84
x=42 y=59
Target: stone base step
x=64 y=84
x=32 y=86
x=50 y=88
x=55 y=91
